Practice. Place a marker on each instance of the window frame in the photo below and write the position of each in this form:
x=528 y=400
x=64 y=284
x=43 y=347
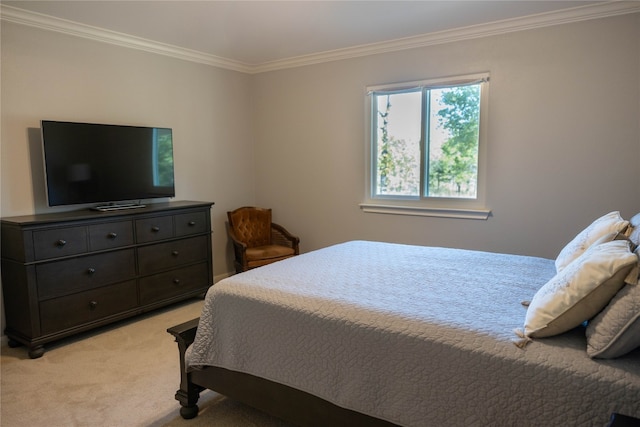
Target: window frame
x=450 y=207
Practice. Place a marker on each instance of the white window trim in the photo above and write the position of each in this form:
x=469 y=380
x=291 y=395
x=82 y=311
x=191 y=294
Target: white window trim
x=463 y=213
x=435 y=207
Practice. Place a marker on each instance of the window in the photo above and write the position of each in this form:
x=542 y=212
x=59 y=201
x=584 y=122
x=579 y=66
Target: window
x=426 y=146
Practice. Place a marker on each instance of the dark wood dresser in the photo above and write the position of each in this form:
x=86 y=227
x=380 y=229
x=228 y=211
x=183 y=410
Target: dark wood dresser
x=63 y=273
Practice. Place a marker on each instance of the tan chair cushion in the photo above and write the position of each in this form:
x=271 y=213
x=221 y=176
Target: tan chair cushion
x=262 y=255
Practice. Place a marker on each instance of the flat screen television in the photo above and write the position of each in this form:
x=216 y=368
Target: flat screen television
x=112 y=165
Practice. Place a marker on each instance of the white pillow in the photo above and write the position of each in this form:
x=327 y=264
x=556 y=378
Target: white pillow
x=616 y=330
x=580 y=290
x=634 y=229
x=609 y=223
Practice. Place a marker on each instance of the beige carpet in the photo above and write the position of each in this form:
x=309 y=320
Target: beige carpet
x=121 y=375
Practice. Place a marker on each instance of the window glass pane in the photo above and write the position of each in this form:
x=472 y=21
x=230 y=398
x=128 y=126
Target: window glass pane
x=454 y=118
x=398 y=133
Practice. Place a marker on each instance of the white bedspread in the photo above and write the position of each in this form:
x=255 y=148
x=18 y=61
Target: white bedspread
x=418 y=336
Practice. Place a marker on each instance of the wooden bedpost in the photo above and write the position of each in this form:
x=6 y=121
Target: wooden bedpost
x=189 y=393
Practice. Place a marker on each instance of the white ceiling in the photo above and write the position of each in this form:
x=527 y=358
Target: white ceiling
x=254 y=33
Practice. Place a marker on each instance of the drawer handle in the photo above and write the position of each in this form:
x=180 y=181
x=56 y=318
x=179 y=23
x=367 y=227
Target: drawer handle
x=175 y=253
x=176 y=281
x=112 y=235
x=91 y=271
x=192 y=223
x=155 y=229
x=61 y=242
x=93 y=305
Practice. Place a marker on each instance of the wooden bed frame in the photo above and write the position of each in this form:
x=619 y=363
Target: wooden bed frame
x=279 y=400
x=286 y=403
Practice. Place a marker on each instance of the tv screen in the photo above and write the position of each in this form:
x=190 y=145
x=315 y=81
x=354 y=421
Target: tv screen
x=108 y=164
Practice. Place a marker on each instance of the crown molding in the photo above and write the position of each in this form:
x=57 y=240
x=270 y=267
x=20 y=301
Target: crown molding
x=582 y=13
x=50 y=23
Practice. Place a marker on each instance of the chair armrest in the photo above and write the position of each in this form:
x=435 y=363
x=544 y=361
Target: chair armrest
x=281 y=236
x=236 y=242
x=239 y=249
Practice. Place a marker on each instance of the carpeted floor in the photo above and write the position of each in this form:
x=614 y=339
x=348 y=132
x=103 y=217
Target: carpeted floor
x=121 y=375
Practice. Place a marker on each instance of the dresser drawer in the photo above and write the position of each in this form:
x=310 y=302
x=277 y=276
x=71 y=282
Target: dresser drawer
x=59 y=242
x=191 y=223
x=152 y=229
x=174 y=283
x=110 y=235
x=163 y=256
x=76 y=274
x=73 y=310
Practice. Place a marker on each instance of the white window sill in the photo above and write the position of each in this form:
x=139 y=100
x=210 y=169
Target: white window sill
x=481 y=214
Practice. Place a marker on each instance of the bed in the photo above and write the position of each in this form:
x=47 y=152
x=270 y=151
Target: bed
x=371 y=333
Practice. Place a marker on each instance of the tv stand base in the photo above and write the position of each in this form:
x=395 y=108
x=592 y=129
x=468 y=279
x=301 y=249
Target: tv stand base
x=117 y=207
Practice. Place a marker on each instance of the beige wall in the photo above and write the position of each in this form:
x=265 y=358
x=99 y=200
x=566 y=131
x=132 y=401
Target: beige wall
x=563 y=138
x=564 y=132
x=47 y=75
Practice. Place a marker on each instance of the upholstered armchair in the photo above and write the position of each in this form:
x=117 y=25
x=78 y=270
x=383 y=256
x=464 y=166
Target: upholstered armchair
x=256 y=240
